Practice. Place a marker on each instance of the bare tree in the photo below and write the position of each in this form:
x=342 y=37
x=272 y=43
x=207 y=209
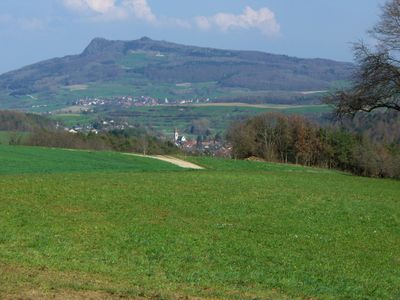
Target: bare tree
x=376 y=83
x=143 y=144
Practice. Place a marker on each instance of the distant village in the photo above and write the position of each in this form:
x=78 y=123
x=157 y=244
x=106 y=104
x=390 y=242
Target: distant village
x=98 y=127
x=131 y=101
x=199 y=146
x=211 y=146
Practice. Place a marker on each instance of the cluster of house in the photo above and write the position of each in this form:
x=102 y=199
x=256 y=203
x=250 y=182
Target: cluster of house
x=97 y=127
x=125 y=101
x=39 y=106
x=129 y=101
x=209 y=147
x=198 y=147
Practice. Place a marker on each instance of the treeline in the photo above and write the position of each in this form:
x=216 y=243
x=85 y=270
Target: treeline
x=293 y=139
x=131 y=140
x=18 y=121
x=35 y=130
x=381 y=126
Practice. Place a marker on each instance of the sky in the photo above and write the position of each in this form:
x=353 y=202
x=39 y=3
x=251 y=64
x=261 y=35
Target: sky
x=34 y=30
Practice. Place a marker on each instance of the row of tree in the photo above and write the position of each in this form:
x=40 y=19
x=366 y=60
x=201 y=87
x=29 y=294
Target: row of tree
x=380 y=126
x=138 y=141
x=293 y=139
x=35 y=130
x=23 y=122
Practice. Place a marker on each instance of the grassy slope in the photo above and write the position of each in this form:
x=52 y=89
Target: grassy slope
x=21 y=160
x=221 y=164
x=238 y=230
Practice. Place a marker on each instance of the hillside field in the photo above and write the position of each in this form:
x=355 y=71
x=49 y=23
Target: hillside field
x=164 y=118
x=101 y=225
x=26 y=160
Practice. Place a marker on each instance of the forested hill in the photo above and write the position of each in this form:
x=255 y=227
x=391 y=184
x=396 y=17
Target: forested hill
x=145 y=61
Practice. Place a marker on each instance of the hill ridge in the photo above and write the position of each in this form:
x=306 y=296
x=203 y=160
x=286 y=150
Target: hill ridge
x=145 y=61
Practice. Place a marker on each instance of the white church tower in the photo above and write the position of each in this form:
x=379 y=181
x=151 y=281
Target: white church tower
x=176 y=135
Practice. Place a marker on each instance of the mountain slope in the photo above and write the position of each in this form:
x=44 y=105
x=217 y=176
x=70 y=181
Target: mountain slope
x=145 y=61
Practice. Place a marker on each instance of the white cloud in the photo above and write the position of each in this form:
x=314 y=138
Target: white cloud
x=141 y=9
x=263 y=19
x=99 y=6
x=105 y=10
x=113 y=10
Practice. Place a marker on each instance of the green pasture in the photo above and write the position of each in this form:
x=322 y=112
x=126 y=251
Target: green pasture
x=236 y=230
x=76 y=119
x=137 y=86
x=26 y=160
x=223 y=164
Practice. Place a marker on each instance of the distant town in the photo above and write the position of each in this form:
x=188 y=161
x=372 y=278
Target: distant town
x=131 y=101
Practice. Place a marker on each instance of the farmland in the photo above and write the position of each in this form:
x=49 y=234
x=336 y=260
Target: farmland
x=164 y=118
x=105 y=225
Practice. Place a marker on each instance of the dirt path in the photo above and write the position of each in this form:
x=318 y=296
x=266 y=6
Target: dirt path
x=172 y=160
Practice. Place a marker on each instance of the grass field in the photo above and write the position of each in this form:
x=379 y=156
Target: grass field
x=23 y=160
x=237 y=230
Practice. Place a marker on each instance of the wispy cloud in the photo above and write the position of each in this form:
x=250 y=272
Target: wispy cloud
x=263 y=20
x=111 y=10
x=22 y=22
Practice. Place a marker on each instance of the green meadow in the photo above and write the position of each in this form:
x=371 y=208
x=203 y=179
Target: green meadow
x=25 y=160
x=101 y=225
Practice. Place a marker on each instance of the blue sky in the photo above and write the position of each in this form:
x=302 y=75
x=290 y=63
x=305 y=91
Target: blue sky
x=33 y=30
